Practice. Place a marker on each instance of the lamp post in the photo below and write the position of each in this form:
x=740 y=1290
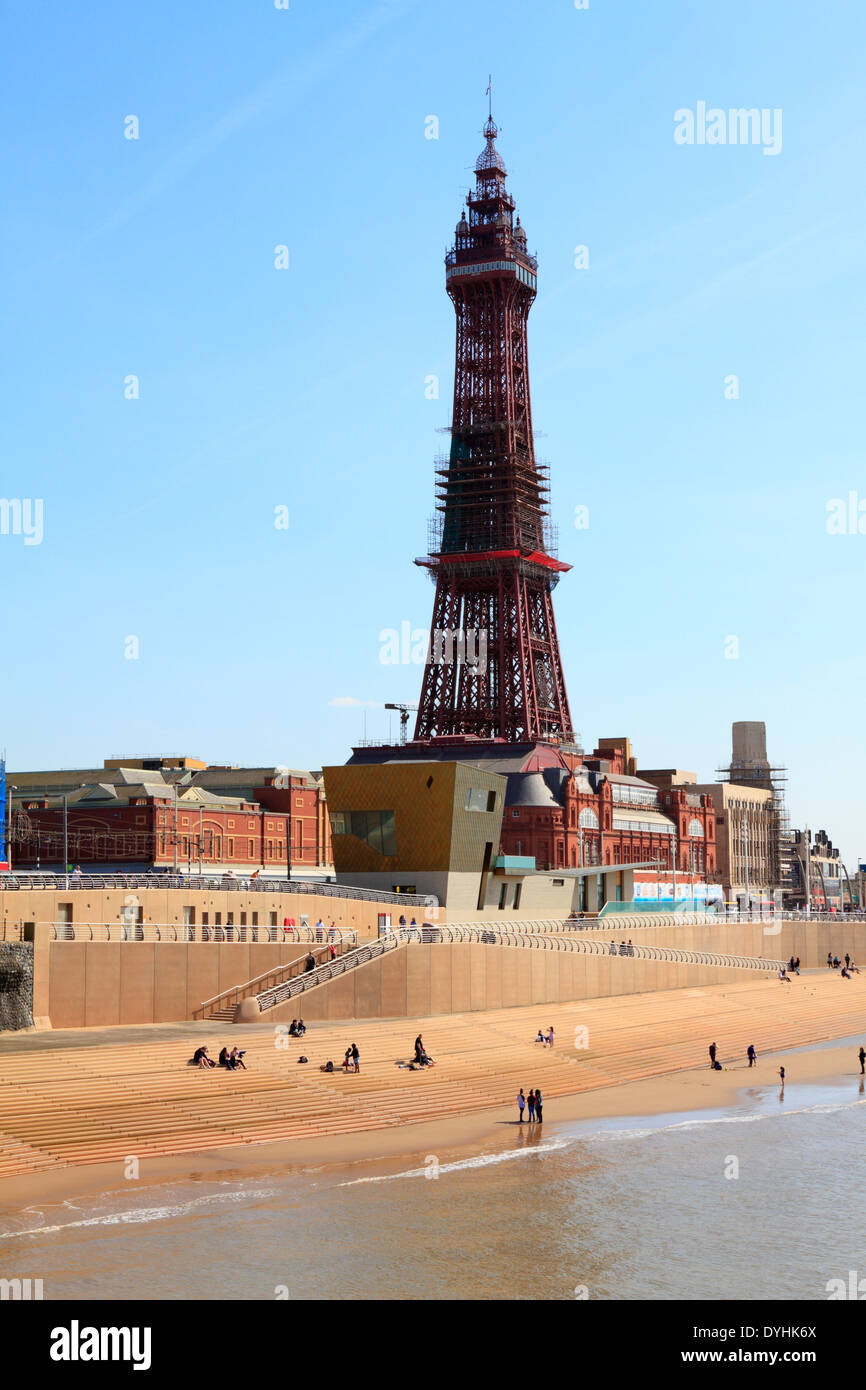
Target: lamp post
x=66 y=839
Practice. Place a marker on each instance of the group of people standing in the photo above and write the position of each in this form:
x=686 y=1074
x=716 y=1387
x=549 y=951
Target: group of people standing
x=534 y=1103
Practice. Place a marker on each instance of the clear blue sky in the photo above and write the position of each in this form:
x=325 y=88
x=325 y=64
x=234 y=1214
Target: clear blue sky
x=305 y=388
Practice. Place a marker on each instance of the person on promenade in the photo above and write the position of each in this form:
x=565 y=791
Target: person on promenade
x=309 y=963
x=712 y=1055
x=539 y=1102
x=630 y=947
x=332 y=952
x=530 y=1104
x=356 y=1057
x=862 y=1056
x=521 y=1102
x=613 y=948
x=751 y=1054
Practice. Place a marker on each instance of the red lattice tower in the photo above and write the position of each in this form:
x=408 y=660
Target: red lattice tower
x=490 y=553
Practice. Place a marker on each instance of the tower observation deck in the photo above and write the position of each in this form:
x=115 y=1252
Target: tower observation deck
x=494 y=669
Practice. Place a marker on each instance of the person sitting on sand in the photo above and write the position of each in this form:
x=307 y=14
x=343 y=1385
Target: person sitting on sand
x=201 y=1058
x=293 y=1028
x=224 y=1057
x=539 y=1037
x=301 y=1029
x=783 y=975
x=852 y=967
x=845 y=974
x=236 y=1059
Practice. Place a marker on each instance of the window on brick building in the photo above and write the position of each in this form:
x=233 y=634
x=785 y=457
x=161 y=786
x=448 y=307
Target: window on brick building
x=270 y=849
x=231 y=847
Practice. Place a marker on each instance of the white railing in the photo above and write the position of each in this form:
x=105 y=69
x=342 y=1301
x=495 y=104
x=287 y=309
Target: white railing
x=185 y=932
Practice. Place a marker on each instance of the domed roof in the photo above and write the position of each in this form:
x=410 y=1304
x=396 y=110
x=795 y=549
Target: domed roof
x=490 y=158
x=519 y=232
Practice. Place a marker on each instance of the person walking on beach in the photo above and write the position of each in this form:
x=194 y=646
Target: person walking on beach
x=539 y=1101
x=521 y=1102
x=751 y=1054
x=530 y=1101
x=782 y=1076
x=862 y=1056
x=712 y=1055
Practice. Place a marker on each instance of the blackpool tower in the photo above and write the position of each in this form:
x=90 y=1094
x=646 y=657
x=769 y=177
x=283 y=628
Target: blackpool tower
x=494 y=669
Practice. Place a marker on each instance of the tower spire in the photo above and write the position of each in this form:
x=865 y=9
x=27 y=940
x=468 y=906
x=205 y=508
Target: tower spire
x=491 y=553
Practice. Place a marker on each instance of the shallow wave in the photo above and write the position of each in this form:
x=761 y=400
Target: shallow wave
x=460 y=1165
x=142 y=1215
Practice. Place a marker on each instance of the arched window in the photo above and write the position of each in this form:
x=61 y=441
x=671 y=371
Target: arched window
x=696 y=829
x=588 y=819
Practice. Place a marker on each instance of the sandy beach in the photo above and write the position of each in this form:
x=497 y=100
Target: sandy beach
x=677 y=1092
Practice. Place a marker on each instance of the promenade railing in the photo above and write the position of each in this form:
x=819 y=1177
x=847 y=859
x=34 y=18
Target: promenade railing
x=196 y=932
x=212 y=883
x=450 y=934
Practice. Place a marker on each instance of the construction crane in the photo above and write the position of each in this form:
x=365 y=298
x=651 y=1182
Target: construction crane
x=404 y=718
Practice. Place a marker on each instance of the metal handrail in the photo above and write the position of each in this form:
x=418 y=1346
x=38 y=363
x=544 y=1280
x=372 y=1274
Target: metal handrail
x=290 y=989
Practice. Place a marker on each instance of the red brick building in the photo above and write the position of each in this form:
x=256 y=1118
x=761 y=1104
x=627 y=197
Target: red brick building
x=205 y=819
x=571 y=811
